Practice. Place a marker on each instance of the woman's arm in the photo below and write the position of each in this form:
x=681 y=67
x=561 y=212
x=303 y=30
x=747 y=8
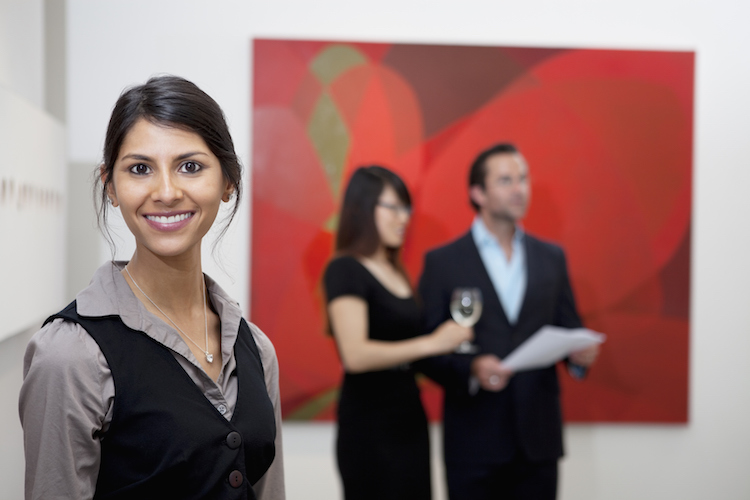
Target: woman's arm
x=348 y=317
x=63 y=406
x=271 y=485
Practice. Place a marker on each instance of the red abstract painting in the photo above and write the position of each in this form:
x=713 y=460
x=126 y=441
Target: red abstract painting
x=608 y=138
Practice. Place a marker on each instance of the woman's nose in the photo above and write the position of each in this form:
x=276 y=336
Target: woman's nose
x=167 y=189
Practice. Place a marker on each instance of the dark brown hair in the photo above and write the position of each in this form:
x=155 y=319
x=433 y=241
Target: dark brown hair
x=357 y=233
x=478 y=169
x=173 y=102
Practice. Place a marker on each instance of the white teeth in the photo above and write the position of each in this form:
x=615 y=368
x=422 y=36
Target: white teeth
x=169 y=220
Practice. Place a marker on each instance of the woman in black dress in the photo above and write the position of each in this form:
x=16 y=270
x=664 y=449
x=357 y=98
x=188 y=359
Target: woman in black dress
x=382 y=445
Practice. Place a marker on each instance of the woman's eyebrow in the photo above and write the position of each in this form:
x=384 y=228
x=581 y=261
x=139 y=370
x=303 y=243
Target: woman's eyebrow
x=188 y=155
x=141 y=157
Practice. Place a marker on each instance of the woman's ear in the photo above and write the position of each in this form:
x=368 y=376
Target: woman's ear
x=228 y=193
x=110 y=186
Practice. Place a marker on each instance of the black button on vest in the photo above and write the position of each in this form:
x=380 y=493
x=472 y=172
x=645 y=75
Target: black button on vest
x=166 y=440
x=234 y=440
x=235 y=479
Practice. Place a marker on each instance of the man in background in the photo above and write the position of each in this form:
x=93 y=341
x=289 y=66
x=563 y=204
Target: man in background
x=502 y=431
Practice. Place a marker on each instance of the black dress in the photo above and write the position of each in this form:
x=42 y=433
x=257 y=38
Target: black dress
x=382 y=445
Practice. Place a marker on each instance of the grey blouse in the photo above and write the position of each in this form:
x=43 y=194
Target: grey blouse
x=68 y=393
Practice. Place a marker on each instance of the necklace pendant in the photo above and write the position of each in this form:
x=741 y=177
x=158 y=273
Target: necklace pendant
x=209 y=357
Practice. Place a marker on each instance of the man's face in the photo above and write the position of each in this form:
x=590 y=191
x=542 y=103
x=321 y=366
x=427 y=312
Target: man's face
x=507 y=191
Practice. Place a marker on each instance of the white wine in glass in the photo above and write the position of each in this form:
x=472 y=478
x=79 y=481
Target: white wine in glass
x=466 y=308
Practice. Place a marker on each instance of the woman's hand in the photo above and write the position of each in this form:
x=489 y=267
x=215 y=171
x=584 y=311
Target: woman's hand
x=449 y=335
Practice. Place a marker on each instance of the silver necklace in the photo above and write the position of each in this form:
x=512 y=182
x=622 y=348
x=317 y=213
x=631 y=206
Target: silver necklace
x=209 y=356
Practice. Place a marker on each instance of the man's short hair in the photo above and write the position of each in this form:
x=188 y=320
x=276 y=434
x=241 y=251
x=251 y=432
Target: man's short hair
x=478 y=170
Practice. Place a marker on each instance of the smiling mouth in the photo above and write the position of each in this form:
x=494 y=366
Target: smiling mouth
x=160 y=219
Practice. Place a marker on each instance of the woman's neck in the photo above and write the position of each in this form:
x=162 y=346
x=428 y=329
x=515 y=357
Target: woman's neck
x=389 y=275
x=380 y=257
x=172 y=283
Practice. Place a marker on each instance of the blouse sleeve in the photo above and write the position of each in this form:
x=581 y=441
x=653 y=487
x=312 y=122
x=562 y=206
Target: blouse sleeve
x=271 y=485
x=343 y=276
x=63 y=406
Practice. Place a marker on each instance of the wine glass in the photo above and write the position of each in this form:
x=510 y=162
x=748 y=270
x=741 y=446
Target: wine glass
x=466 y=308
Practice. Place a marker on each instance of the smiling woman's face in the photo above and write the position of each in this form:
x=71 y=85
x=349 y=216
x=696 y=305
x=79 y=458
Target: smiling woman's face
x=168 y=185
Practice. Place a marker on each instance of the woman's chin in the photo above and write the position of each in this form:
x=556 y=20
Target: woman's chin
x=172 y=251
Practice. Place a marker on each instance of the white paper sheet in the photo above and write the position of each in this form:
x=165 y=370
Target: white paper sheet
x=549 y=345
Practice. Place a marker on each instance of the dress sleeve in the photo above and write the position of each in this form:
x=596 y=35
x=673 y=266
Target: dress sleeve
x=271 y=485
x=63 y=407
x=343 y=276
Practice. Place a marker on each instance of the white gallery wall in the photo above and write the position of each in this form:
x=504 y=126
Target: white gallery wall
x=117 y=43
x=32 y=174
x=32 y=213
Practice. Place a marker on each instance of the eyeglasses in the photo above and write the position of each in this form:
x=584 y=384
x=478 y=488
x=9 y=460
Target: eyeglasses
x=398 y=209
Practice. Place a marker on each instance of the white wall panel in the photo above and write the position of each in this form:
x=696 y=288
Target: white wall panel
x=32 y=213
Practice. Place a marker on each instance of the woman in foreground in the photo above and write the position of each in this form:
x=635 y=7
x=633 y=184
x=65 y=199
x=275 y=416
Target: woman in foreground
x=382 y=444
x=151 y=384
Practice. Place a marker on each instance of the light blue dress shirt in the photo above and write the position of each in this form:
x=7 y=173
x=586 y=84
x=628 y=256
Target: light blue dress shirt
x=507 y=276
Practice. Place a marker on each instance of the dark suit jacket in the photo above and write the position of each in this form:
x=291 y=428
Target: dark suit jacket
x=489 y=428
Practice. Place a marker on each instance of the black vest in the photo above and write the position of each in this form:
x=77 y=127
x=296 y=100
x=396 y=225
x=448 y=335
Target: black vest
x=166 y=440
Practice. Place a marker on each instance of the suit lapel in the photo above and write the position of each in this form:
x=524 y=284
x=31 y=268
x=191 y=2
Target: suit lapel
x=532 y=275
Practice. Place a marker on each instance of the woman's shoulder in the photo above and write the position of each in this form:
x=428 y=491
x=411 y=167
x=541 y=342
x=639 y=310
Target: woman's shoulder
x=64 y=365
x=265 y=346
x=345 y=269
x=61 y=345
x=344 y=264
x=345 y=275
x=268 y=359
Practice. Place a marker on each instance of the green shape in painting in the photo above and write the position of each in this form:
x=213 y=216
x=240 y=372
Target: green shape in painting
x=335 y=60
x=332 y=224
x=330 y=137
x=314 y=406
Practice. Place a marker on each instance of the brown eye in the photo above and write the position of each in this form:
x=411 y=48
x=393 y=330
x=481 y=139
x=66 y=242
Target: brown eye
x=190 y=167
x=140 y=169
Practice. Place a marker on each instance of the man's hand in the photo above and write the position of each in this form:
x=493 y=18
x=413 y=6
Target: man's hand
x=585 y=357
x=490 y=372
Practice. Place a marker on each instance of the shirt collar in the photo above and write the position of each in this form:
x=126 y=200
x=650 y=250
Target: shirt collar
x=109 y=294
x=483 y=237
